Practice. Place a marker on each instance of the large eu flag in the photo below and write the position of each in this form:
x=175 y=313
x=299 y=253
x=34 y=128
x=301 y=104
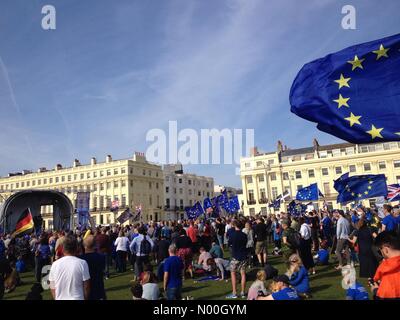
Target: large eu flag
x=308 y=193
x=353 y=94
x=361 y=187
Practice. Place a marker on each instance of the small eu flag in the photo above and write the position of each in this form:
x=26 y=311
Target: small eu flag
x=308 y=193
x=207 y=203
x=361 y=187
x=353 y=94
x=234 y=205
x=337 y=183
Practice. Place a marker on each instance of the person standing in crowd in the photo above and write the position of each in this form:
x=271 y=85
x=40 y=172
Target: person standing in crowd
x=342 y=237
x=260 y=237
x=389 y=222
x=42 y=256
x=305 y=246
x=121 y=244
x=220 y=226
x=173 y=268
x=363 y=236
x=192 y=233
x=248 y=231
x=96 y=264
x=141 y=247
x=69 y=276
x=184 y=251
x=326 y=228
x=387 y=277
x=277 y=235
x=238 y=242
x=289 y=240
x=103 y=244
x=314 y=224
x=162 y=250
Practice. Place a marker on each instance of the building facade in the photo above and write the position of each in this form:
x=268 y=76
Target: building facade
x=184 y=190
x=131 y=182
x=264 y=176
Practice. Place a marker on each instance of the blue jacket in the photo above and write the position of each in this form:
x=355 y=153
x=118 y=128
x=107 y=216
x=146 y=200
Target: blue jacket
x=299 y=280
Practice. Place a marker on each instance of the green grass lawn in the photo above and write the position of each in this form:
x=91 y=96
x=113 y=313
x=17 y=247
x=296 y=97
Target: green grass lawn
x=325 y=285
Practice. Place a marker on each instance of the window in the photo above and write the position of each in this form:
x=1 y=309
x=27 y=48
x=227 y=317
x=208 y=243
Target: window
x=22 y=184
x=181 y=204
x=298 y=174
x=271 y=161
x=251 y=195
x=150 y=185
x=396 y=163
x=262 y=193
x=123 y=170
x=82 y=176
x=150 y=200
x=101 y=173
x=273 y=176
x=115 y=171
x=247 y=165
x=252 y=211
x=327 y=189
x=167 y=203
x=259 y=164
x=364 y=149
x=69 y=178
x=123 y=200
x=51 y=180
x=398 y=179
x=131 y=182
x=166 y=189
x=180 y=191
x=167 y=178
x=207 y=185
x=199 y=193
x=62 y=178
x=299 y=187
x=382 y=165
x=261 y=178
x=338 y=170
x=249 y=179
x=123 y=183
x=189 y=182
x=325 y=171
x=180 y=180
x=44 y=181
x=274 y=191
x=101 y=186
x=115 y=184
x=286 y=176
x=88 y=175
x=367 y=167
x=39 y=182
x=352 y=168
x=311 y=173
x=108 y=186
x=109 y=172
x=95 y=174
x=157 y=185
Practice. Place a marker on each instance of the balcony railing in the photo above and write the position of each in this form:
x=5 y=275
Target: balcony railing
x=251 y=202
x=263 y=201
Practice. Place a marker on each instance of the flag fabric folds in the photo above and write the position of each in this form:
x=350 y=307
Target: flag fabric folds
x=25 y=223
x=337 y=183
x=207 y=203
x=234 y=205
x=361 y=187
x=393 y=192
x=296 y=209
x=308 y=193
x=353 y=94
x=125 y=216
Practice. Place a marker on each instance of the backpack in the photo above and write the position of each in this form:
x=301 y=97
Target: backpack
x=145 y=247
x=294 y=239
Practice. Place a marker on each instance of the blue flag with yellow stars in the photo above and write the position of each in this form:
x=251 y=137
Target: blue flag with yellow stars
x=308 y=193
x=361 y=187
x=353 y=94
x=337 y=183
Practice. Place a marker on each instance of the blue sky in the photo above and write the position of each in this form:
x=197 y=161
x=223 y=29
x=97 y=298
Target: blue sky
x=89 y=87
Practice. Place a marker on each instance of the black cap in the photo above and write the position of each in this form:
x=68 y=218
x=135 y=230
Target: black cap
x=282 y=278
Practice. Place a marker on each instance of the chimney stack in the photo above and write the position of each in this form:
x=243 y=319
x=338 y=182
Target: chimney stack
x=76 y=163
x=280 y=146
x=108 y=159
x=58 y=167
x=93 y=161
x=253 y=151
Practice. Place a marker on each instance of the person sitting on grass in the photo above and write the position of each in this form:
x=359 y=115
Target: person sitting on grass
x=202 y=261
x=322 y=256
x=216 y=251
x=137 y=291
x=258 y=287
x=354 y=290
x=223 y=266
x=298 y=276
x=150 y=287
x=281 y=290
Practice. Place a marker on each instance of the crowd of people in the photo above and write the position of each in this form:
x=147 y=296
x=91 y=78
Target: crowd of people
x=161 y=255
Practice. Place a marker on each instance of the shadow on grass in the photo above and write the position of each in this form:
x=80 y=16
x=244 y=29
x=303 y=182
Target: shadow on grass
x=319 y=288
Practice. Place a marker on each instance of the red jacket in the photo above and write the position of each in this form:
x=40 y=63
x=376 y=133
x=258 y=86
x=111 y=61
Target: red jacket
x=192 y=233
x=388 y=273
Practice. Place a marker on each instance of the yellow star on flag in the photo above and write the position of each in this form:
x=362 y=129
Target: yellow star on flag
x=375 y=132
x=359 y=195
x=382 y=52
x=356 y=63
x=342 y=101
x=353 y=119
x=369 y=187
x=366 y=192
x=353 y=194
x=343 y=82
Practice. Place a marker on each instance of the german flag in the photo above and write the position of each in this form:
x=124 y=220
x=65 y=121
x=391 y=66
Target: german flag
x=25 y=223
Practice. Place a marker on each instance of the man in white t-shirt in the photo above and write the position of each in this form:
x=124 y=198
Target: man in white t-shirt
x=69 y=276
